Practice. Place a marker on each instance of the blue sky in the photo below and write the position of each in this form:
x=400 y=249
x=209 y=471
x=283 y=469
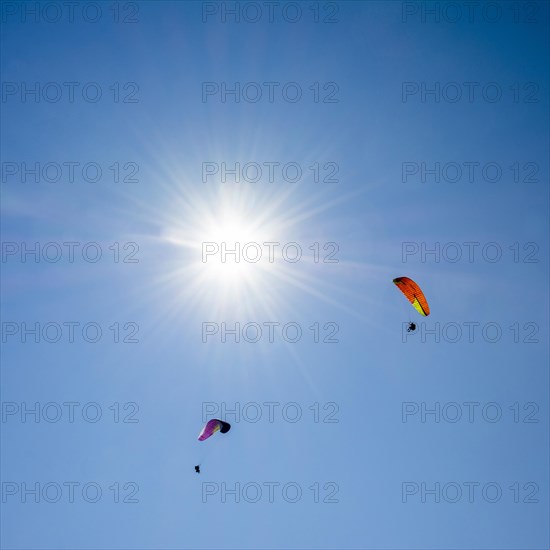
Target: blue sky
x=161 y=136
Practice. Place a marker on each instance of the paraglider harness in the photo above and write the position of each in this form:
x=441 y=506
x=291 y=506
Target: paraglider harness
x=198 y=469
x=412 y=327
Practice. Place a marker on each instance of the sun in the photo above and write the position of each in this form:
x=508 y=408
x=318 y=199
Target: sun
x=233 y=250
x=225 y=244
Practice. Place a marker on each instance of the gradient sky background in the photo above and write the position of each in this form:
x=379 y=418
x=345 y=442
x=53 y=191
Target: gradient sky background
x=369 y=52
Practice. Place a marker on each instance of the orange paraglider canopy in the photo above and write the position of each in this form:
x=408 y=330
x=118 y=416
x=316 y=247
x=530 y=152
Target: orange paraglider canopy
x=414 y=294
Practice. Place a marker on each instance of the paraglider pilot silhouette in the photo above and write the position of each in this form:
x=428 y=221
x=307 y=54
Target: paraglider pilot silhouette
x=210 y=428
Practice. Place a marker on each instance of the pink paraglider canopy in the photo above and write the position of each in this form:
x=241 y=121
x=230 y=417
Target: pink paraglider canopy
x=213 y=426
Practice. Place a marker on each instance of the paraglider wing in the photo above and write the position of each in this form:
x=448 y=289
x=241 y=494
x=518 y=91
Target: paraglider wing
x=212 y=426
x=414 y=294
